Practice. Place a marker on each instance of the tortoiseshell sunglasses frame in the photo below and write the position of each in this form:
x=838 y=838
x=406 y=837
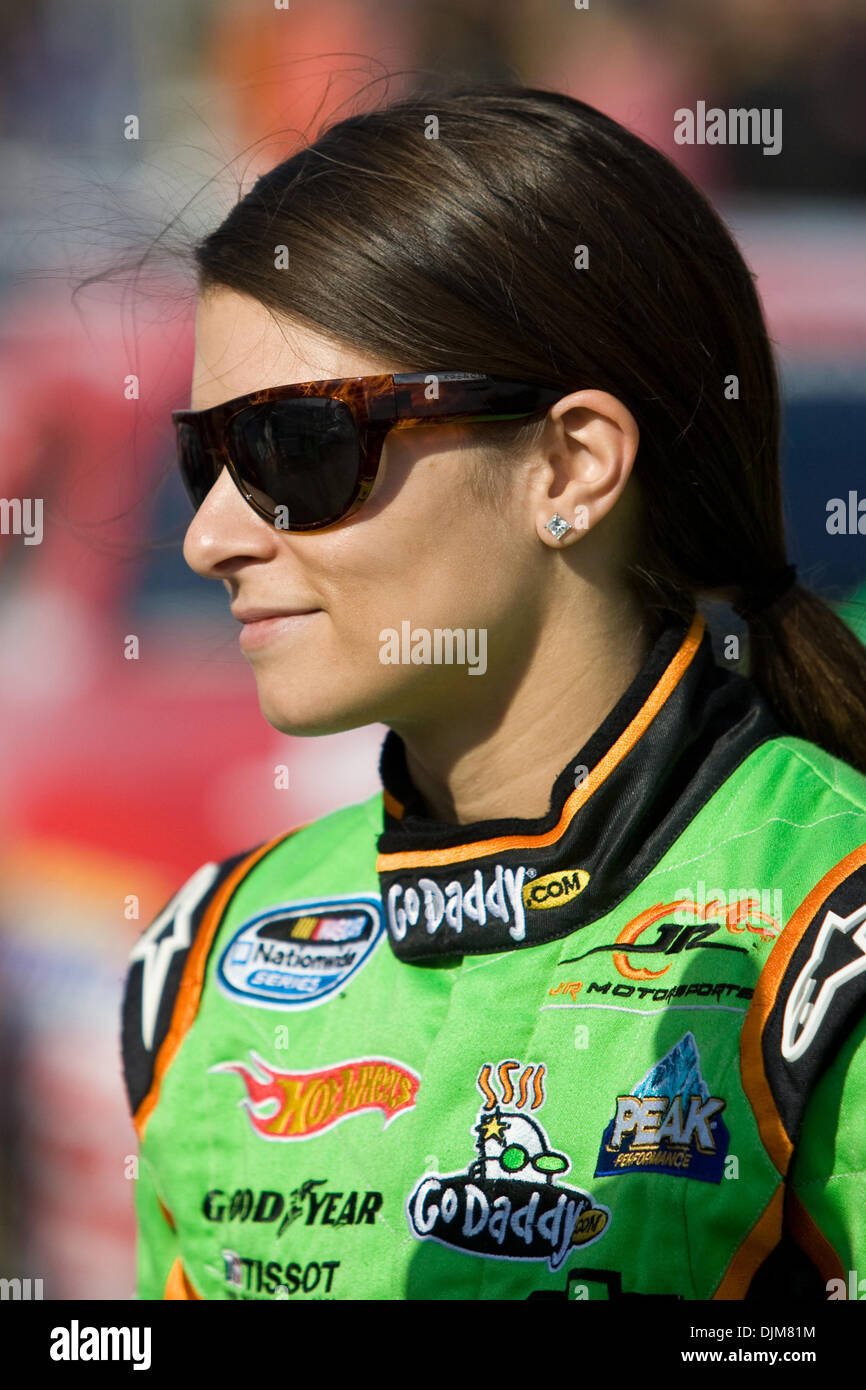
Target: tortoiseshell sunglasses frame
x=378 y=404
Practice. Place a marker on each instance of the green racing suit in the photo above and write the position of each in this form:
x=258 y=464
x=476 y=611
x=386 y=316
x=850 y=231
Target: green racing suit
x=616 y=1050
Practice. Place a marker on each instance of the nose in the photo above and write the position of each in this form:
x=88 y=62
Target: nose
x=225 y=531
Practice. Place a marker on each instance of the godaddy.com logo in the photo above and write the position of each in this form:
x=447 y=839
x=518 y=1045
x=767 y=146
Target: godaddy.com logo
x=438 y=646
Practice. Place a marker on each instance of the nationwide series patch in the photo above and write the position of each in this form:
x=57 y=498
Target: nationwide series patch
x=295 y=956
x=668 y=1124
x=508 y=1203
x=291 y=1105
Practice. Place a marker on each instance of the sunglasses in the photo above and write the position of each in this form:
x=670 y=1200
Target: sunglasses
x=305 y=456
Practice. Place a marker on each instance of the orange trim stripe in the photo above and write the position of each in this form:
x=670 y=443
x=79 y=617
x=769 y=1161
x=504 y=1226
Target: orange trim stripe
x=192 y=980
x=812 y=1240
x=177 y=1285
x=755 y=1083
x=166 y=1215
x=394 y=807
x=750 y=1255
x=602 y=770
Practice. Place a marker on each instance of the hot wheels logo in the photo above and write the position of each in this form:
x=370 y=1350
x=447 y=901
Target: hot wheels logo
x=299 y=1104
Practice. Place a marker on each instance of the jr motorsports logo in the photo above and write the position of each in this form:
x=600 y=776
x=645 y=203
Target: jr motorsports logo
x=669 y=1123
x=298 y=955
x=691 y=925
x=508 y=1204
x=289 y=1105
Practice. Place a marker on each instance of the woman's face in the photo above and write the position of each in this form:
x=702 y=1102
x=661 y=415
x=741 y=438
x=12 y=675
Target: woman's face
x=422 y=550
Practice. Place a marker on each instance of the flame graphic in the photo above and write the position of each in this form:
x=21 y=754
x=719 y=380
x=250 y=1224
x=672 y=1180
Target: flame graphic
x=290 y=1105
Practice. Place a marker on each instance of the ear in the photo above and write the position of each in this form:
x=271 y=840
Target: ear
x=585 y=458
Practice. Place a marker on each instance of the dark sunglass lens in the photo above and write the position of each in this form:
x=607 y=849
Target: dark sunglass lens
x=300 y=454
x=198 y=468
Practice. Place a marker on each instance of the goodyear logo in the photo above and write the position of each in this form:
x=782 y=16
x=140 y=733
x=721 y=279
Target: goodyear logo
x=552 y=890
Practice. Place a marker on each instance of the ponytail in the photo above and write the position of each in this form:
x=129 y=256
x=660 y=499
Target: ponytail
x=811 y=669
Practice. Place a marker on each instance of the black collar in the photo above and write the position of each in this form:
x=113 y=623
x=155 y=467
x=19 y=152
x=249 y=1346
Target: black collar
x=679 y=730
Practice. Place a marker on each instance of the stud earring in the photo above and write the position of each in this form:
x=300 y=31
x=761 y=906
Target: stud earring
x=557 y=526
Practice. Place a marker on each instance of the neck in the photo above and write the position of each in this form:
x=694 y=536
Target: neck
x=502 y=762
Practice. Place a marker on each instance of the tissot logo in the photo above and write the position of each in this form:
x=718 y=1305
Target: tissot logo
x=497 y=895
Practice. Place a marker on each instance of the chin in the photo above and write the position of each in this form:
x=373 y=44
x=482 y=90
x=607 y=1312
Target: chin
x=311 y=719
x=331 y=700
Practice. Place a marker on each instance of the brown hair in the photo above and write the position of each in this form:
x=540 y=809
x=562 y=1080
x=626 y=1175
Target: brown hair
x=440 y=230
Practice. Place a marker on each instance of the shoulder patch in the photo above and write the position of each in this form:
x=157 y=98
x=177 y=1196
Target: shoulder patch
x=810 y=995
x=156 y=965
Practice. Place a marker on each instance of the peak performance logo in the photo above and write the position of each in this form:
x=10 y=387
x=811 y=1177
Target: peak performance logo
x=669 y=1123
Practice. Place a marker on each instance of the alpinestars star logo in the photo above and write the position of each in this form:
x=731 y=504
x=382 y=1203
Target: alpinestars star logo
x=838 y=937
x=156 y=947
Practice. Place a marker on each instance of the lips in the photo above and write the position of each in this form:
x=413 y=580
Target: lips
x=257 y=615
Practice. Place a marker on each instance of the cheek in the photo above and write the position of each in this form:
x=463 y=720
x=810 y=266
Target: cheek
x=433 y=575
x=423 y=548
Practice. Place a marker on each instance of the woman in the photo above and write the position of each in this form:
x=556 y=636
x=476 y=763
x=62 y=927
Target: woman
x=482 y=404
